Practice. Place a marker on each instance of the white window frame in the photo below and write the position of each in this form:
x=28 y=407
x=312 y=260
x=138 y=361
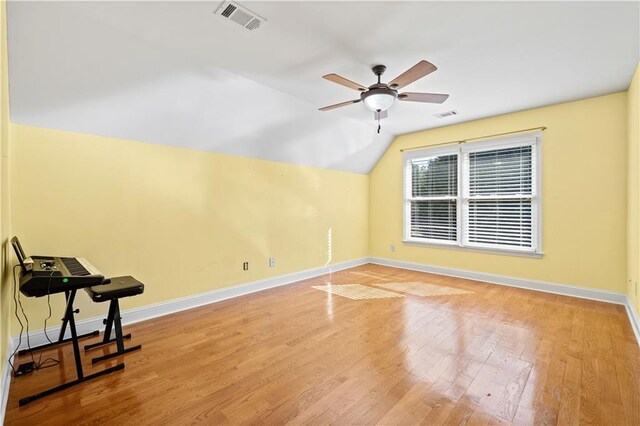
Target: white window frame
x=462 y=204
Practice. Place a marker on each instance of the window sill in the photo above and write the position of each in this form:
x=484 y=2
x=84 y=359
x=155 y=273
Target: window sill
x=474 y=249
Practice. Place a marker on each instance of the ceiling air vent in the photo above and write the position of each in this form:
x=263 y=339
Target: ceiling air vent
x=446 y=114
x=240 y=15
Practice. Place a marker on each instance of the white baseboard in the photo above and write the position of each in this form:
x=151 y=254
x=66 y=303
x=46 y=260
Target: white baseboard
x=633 y=318
x=5 y=382
x=144 y=313
x=546 y=287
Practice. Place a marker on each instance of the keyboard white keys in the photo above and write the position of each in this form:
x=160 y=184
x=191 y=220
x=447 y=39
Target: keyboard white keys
x=88 y=266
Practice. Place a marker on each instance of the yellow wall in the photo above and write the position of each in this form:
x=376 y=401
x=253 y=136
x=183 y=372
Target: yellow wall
x=584 y=196
x=633 y=188
x=5 y=224
x=181 y=221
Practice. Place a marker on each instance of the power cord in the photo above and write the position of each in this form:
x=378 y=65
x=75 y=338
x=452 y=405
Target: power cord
x=18 y=302
x=49 y=305
x=41 y=364
x=15 y=304
x=26 y=320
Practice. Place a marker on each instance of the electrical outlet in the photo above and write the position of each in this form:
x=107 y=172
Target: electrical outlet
x=245 y=266
x=272 y=262
x=393 y=248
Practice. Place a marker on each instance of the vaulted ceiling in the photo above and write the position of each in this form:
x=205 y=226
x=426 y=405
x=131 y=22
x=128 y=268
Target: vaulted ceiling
x=174 y=73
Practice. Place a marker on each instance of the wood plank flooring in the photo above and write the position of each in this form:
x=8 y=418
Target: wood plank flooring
x=297 y=355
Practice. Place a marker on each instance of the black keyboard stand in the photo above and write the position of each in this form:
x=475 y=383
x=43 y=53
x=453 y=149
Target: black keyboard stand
x=70 y=321
x=61 y=340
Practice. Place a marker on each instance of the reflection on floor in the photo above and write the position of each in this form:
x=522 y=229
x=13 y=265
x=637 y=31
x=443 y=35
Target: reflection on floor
x=419 y=288
x=356 y=291
x=370 y=274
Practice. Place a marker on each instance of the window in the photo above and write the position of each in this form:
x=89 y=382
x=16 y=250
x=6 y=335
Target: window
x=479 y=195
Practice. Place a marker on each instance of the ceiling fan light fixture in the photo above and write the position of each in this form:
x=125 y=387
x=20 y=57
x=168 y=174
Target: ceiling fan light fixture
x=379 y=99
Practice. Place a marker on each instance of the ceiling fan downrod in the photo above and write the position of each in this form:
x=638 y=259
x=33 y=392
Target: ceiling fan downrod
x=379 y=70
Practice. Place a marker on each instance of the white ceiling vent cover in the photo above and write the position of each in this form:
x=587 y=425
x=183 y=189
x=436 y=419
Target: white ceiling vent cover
x=446 y=114
x=240 y=15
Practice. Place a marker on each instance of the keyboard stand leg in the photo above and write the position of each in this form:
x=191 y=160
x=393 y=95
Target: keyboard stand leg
x=118 y=353
x=106 y=339
x=61 y=339
x=74 y=335
x=110 y=316
x=114 y=321
x=65 y=321
x=103 y=343
x=117 y=320
x=28 y=399
x=58 y=342
x=69 y=312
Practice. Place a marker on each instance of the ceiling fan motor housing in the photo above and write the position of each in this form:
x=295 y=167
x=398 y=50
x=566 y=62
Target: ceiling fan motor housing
x=379 y=97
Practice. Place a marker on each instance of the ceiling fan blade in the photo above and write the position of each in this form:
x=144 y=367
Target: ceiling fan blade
x=343 y=81
x=341 y=104
x=380 y=115
x=414 y=73
x=432 y=98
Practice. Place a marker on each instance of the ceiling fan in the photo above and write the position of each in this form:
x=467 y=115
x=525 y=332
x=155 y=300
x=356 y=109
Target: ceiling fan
x=379 y=97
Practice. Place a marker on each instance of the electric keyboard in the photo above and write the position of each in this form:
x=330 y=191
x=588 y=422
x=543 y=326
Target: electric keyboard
x=50 y=275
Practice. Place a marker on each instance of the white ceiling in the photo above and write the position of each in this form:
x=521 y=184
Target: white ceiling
x=173 y=73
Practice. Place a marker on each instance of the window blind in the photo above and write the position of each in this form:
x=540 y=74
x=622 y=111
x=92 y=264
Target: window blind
x=435 y=176
x=500 y=172
x=499 y=202
x=436 y=220
x=500 y=222
x=434 y=193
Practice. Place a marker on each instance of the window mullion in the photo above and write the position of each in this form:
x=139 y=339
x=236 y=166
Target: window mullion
x=460 y=204
x=441 y=198
x=501 y=197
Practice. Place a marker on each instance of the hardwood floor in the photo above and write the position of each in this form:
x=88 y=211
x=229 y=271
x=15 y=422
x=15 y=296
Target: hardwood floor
x=296 y=355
